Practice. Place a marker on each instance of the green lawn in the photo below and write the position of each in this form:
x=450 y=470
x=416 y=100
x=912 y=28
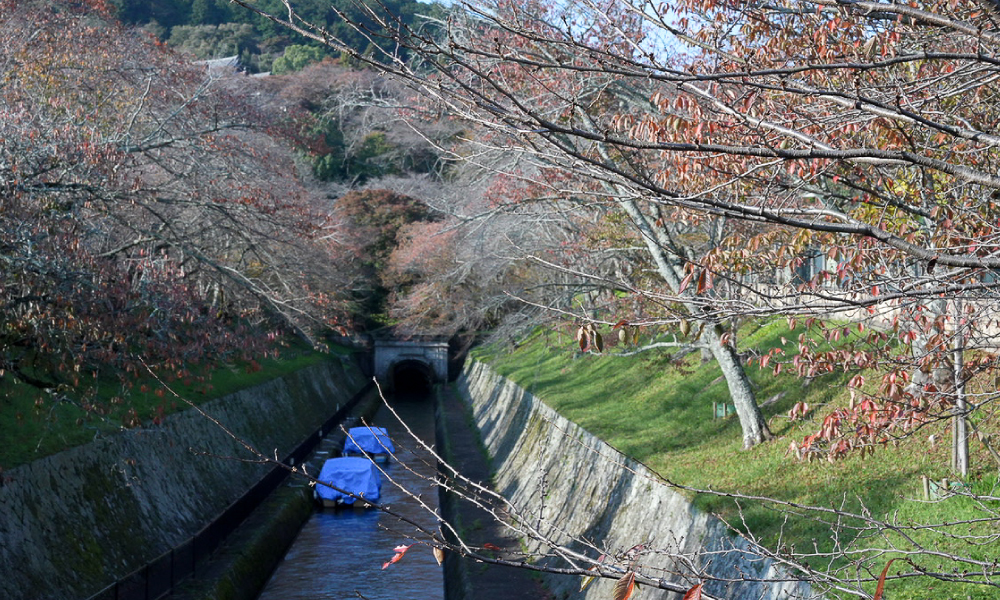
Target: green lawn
x=35 y=424
x=659 y=411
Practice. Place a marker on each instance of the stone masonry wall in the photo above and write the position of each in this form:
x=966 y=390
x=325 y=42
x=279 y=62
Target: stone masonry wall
x=575 y=486
x=75 y=522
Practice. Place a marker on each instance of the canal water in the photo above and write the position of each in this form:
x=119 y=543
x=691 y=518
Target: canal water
x=339 y=553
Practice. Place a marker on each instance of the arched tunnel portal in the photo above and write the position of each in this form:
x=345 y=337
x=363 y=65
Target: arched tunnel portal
x=410 y=364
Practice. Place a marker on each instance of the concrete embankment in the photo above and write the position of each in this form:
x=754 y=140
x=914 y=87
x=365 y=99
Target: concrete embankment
x=74 y=522
x=459 y=444
x=572 y=486
x=242 y=566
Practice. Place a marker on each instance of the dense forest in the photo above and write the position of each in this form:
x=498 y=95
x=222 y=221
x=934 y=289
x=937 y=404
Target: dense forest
x=216 y=28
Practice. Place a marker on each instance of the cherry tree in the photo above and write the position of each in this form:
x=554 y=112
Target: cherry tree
x=150 y=216
x=475 y=268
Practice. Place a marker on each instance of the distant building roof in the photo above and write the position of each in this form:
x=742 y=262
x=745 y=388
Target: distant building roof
x=229 y=65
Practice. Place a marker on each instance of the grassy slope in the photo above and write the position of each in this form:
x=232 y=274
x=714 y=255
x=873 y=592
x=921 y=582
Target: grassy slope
x=33 y=425
x=660 y=412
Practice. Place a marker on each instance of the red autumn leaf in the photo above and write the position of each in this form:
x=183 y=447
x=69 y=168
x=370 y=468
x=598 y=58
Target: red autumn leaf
x=693 y=593
x=798 y=410
x=400 y=551
x=490 y=546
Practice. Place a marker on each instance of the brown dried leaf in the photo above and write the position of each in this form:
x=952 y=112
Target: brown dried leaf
x=703 y=281
x=881 y=581
x=685 y=327
x=685 y=282
x=624 y=586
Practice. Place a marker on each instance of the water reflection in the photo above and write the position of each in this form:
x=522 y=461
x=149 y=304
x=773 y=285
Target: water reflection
x=339 y=553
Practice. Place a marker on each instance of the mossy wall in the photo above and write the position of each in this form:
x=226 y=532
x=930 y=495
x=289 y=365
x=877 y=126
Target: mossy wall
x=571 y=485
x=75 y=522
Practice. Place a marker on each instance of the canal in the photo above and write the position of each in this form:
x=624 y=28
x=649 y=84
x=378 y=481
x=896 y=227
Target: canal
x=339 y=554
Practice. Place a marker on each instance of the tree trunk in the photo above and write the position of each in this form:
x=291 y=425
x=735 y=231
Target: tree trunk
x=960 y=431
x=752 y=420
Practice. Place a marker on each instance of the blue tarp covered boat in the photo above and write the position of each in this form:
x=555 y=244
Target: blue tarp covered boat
x=353 y=474
x=369 y=440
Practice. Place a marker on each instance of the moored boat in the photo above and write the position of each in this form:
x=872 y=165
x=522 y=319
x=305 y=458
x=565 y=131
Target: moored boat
x=369 y=441
x=356 y=479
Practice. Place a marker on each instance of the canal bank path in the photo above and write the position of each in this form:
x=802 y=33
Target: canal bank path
x=480 y=581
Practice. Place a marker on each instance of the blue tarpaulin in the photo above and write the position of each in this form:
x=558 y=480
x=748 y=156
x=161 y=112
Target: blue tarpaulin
x=353 y=474
x=373 y=440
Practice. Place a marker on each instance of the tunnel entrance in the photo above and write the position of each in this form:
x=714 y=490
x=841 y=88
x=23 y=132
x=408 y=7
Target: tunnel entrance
x=411 y=377
x=411 y=363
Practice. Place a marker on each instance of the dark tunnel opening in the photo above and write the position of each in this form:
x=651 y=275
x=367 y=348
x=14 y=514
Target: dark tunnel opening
x=412 y=377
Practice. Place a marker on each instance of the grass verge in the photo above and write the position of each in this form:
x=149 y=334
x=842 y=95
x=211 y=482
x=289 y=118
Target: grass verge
x=658 y=409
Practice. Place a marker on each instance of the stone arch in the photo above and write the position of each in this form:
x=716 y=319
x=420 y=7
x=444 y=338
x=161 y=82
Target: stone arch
x=420 y=358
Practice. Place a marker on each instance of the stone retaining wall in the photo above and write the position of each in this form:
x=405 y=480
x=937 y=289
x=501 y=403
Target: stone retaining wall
x=574 y=486
x=75 y=522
